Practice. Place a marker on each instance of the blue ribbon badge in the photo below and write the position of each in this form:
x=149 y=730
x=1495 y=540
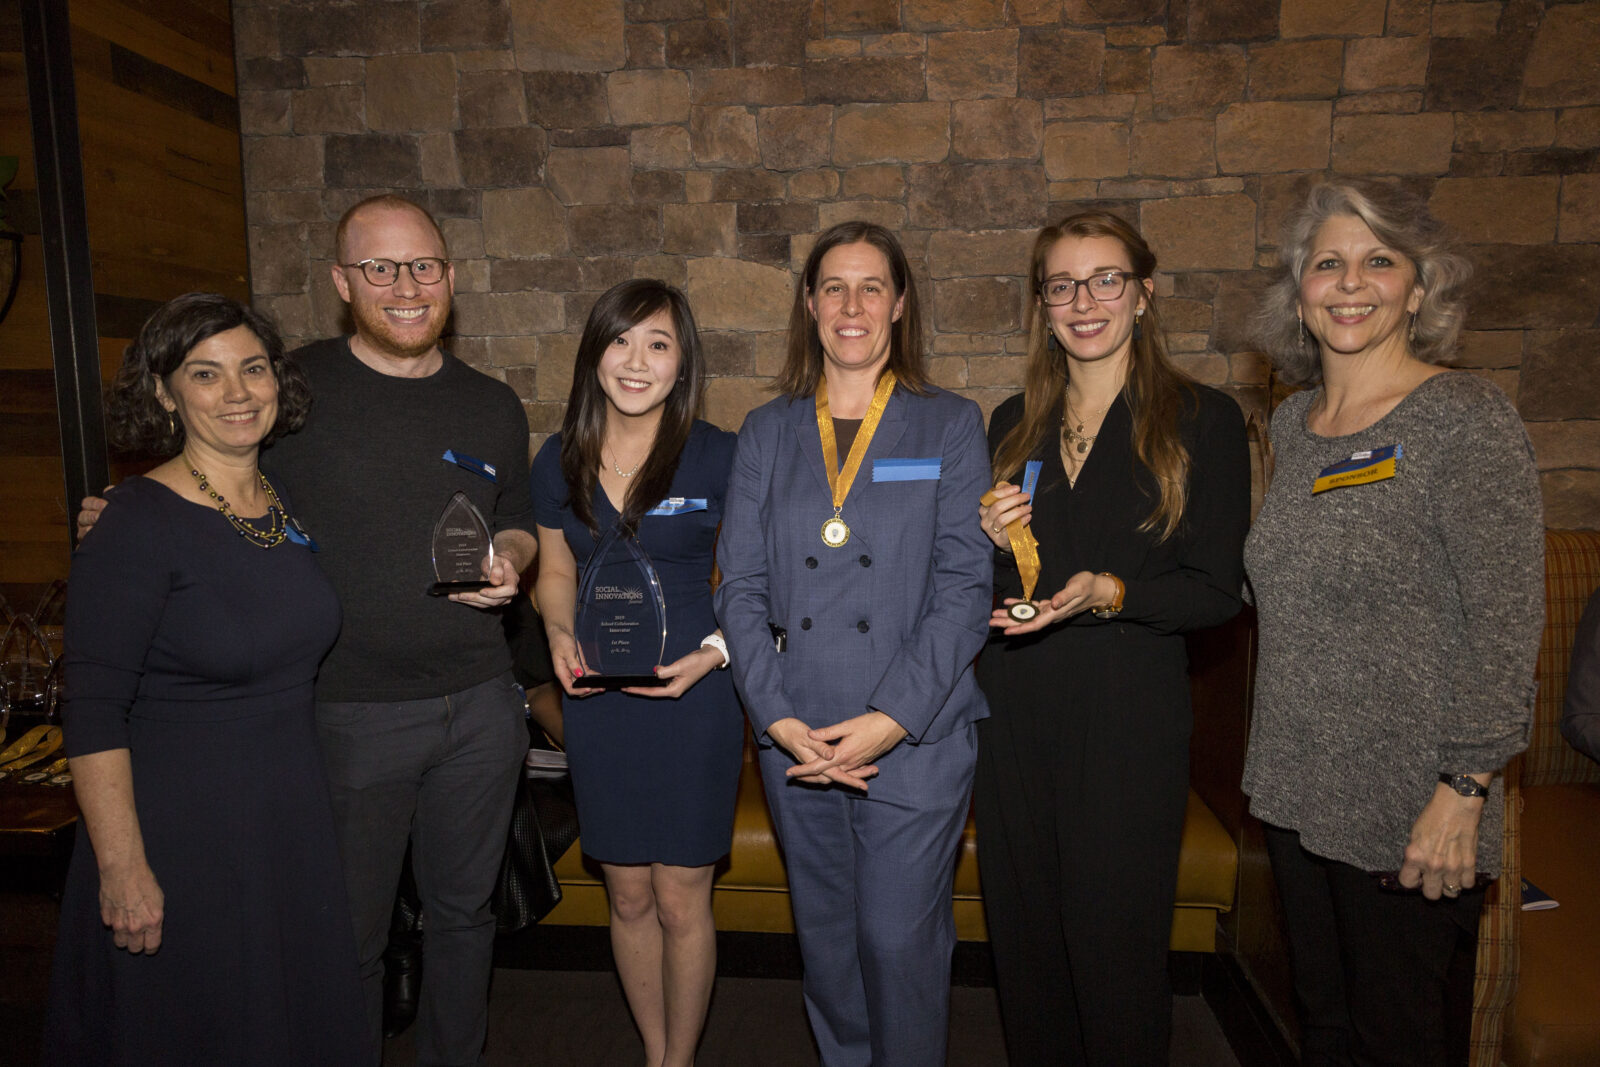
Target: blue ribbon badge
x=1372 y=465
x=906 y=470
x=1030 y=477
x=678 y=505
x=467 y=463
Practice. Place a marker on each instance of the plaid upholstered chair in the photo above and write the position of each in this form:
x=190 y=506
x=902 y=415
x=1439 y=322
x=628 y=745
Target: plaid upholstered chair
x=1530 y=1006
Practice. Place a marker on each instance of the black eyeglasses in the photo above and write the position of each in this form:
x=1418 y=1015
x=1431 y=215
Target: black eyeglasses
x=425 y=270
x=1064 y=290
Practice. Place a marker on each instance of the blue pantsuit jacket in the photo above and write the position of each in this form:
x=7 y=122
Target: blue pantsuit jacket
x=890 y=621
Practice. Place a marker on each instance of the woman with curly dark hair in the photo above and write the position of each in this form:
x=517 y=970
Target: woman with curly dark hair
x=204 y=919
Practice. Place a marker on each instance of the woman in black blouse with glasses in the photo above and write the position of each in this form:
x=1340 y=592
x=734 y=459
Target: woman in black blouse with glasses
x=1140 y=501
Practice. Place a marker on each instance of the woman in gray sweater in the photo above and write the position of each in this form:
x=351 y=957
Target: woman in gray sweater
x=1397 y=567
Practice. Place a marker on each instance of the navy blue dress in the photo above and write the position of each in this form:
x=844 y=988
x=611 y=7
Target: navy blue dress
x=196 y=651
x=655 y=780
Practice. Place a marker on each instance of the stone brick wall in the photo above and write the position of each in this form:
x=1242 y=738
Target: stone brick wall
x=568 y=144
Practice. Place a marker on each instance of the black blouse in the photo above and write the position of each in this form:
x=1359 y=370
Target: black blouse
x=1187 y=582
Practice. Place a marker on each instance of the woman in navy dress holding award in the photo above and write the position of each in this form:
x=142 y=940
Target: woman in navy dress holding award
x=655 y=769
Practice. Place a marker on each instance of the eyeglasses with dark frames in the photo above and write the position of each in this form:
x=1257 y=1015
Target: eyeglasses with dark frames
x=425 y=270
x=1108 y=285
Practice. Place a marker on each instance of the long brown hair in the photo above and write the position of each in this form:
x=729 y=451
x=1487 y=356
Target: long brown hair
x=583 y=430
x=1155 y=390
x=802 y=364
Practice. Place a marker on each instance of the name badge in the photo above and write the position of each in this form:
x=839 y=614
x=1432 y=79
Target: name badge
x=1373 y=465
x=678 y=505
x=298 y=535
x=467 y=463
x=906 y=470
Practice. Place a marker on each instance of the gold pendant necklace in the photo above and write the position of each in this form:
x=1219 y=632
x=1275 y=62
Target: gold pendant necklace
x=1076 y=436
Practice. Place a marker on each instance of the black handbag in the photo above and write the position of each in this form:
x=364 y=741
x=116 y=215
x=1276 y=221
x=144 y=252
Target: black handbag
x=544 y=824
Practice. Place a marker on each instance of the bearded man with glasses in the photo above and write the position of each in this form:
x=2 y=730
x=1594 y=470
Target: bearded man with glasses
x=421 y=725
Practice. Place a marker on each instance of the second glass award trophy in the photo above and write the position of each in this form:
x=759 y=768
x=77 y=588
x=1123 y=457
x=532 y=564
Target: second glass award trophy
x=460 y=542
x=622 y=616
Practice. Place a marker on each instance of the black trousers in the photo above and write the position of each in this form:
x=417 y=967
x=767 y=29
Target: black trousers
x=1381 y=976
x=1079 y=824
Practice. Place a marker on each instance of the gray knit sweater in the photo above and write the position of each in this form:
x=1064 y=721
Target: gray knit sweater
x=1400 y=620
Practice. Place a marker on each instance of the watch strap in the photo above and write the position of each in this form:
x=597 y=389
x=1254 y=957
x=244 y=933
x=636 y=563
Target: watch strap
x=1464 y=784
x=1113 y=609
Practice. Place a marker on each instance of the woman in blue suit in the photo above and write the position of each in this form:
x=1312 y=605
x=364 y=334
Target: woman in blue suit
x=855 y=594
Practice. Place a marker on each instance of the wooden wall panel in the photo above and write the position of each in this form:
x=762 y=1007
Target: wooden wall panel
x=33 y=522
x=158 y=122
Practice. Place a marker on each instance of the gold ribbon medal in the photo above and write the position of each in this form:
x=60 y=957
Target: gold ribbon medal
x=1024 y=547
x=835 y=534
x=32 y=747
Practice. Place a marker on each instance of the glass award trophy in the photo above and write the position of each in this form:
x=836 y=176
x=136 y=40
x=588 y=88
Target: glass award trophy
x=622 y=616
x=460 y=541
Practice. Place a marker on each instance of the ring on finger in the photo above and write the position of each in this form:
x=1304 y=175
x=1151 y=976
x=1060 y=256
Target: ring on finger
x=1453 y=890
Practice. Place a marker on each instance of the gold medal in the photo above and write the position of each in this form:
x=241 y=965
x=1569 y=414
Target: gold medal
x=834 y=532
x=1024 y=548
x=1023 y=611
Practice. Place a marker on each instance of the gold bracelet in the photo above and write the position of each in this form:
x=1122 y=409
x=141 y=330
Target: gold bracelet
x=1113 y=609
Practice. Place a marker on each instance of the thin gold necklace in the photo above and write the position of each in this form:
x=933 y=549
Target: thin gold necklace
x=1076 y=436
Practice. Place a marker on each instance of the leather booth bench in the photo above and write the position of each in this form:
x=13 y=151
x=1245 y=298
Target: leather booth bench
x=752 y=894
x=1544 y=966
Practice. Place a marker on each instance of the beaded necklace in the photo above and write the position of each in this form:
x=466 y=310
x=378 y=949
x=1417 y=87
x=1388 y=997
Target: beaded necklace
x=277 y=526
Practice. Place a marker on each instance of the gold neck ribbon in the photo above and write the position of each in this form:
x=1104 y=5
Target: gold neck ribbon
x=840 y=481
x=1024 y=546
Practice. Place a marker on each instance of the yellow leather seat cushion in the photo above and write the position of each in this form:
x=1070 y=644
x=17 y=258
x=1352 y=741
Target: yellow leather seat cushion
x=1555 y=1018
x=752 y=888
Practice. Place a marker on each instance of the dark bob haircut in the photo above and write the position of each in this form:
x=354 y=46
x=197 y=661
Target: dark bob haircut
x=802 y=364
x=135 y=419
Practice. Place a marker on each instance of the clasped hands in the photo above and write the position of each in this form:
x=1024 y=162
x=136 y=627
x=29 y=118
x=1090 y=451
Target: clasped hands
x=841 y=754
x=1083 y=590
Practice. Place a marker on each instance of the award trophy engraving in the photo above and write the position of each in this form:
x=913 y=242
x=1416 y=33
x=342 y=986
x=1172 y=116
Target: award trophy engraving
x=460 y=541
x=1024 y=548
x=622 y=616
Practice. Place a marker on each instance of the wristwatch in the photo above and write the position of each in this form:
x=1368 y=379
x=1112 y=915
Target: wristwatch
x=1464 y=784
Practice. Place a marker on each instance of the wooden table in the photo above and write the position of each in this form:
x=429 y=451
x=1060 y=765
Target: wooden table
x=37 y=820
